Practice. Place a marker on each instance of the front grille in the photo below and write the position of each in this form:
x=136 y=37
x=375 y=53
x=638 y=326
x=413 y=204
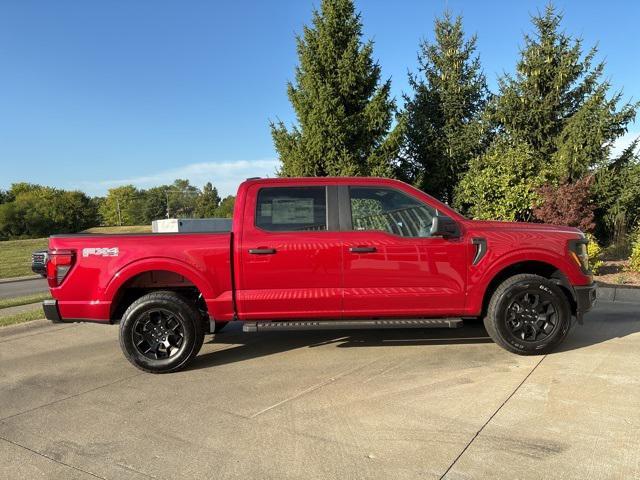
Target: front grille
x=39 y=262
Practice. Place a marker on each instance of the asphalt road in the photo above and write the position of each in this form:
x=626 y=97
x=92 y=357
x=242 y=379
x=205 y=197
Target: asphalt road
x=346 y=405
x=23 y=288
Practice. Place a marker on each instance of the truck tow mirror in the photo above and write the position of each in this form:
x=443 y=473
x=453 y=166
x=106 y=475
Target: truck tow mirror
x=443 y=226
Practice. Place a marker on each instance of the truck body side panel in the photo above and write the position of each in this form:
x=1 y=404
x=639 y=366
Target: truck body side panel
x=105 y=263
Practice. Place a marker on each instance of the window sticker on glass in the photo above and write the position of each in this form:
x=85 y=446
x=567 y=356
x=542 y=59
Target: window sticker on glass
x=292 y=210
x=265 y=209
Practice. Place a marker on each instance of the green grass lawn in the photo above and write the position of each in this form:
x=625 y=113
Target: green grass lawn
x=14 y=302
x=21 y=317
x=15 y=256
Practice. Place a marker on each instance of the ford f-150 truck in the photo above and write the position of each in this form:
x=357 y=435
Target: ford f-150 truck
x=323 y=253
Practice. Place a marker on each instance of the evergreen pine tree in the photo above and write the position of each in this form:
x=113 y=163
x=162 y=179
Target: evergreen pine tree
x=443 y=129
x=344 y=113
x=207 y=202
x=559 y=107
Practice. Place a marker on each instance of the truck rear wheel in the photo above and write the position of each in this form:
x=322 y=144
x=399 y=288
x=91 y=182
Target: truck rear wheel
x=161 y=332
x=528 y=315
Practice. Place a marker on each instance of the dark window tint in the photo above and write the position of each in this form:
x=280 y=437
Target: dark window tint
x=391 y=211
x=292 y=209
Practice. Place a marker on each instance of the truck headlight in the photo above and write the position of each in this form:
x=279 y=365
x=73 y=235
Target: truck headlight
x=578 y=251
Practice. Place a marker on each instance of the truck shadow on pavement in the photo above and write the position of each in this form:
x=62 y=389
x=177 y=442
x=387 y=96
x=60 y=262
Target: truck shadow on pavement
x=604 y=324
x=246 y=346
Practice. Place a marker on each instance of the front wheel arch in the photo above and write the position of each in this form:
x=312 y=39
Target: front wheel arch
x=534 y=267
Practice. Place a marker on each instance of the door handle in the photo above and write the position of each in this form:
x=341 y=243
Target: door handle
x=262 y=251
x=362 y=249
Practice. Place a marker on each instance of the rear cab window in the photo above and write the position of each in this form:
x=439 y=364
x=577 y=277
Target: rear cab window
x=292 y=209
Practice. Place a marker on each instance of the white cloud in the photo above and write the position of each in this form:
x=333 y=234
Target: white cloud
x=623 y=142
x=225 y=176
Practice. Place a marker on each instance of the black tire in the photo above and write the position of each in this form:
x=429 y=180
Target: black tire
x=161 y=332
x=528 y=315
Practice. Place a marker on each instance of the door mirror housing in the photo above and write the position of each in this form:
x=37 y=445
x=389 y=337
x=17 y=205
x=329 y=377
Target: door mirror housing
x=445 y=227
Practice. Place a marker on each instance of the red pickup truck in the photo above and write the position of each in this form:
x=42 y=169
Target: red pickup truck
x=323 y=253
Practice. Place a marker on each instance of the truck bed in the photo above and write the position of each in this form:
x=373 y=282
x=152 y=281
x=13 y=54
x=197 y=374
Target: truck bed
x=106 y=263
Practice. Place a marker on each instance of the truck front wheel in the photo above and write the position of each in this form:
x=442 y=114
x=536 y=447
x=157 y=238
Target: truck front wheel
x=161 y=332
x=528 y=315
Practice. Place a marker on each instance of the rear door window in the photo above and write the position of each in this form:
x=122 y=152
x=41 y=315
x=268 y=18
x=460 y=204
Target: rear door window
x=287 y=209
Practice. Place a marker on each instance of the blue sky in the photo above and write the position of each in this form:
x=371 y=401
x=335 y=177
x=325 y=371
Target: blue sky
x=98 y=94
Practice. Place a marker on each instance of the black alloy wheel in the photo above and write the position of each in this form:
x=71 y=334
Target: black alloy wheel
x=531 y=316
x=161 y=332
x=158 y=334
x=528 y=314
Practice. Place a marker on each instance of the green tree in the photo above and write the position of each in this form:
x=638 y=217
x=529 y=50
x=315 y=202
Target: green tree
x=502 y=183
x=23 y=187
x=558 y=105
x=155 y=203
x=207 y=202
x=182 y=198
x=225 y=209
x=443 y=130
x=344 y=113
x=123 y=206
x=5 y=196
x=616 y=194
x=42 y=211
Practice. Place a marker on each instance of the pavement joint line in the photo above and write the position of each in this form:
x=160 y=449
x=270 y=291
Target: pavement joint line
x=491 y=418
x=50 y=458
x=70 y=397
x=311 y=389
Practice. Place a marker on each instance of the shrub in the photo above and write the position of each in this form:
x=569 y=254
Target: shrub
x=595 y=254
x=634 y=259
x=567 y=204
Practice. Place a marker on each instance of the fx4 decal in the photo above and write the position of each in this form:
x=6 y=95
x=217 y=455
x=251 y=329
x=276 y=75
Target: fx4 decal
x=101 y=252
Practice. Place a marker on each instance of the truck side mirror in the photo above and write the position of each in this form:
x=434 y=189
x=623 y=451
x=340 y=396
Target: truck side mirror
x=443 y=226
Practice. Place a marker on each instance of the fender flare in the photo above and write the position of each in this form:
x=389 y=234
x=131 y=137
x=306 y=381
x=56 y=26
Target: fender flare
x=521 y=256
x=129 y=271
x=515 y=257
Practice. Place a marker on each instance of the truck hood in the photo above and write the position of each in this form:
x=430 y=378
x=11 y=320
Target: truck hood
x=489 y=225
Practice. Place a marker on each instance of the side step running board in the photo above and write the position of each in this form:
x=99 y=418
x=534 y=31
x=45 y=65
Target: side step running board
x=267 y=326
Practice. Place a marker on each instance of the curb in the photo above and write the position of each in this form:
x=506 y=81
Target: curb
x=19 y=279
x=618 y=294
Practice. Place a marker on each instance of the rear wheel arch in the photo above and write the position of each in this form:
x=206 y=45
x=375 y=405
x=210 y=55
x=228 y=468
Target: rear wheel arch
x=140 y=278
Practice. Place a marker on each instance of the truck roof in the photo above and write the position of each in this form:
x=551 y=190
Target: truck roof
x=324 y=180
x=379 y=181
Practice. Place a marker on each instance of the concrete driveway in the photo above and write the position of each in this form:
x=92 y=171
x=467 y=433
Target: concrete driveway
x=346 y=405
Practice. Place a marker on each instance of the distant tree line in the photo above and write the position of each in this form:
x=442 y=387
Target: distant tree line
x=538 y=149
x=31 y=211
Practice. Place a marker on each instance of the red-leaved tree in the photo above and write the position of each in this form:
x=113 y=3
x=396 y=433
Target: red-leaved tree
x=567 y=204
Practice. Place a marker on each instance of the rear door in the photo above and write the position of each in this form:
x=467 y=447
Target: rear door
x=290 y=253
x=392 y=266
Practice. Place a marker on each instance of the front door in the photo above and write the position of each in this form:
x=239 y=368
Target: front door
x=290 y=254
x=392 y=267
